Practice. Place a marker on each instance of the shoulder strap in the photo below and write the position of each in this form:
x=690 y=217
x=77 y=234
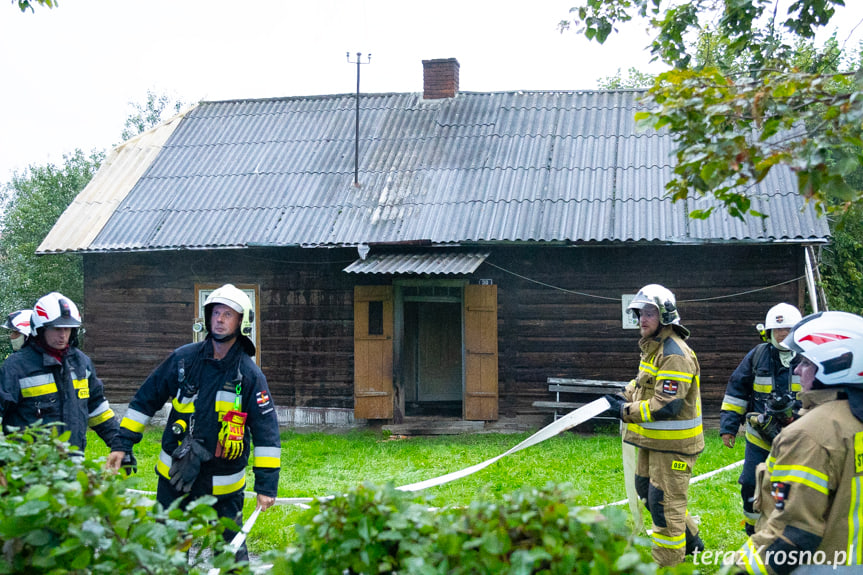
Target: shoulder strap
x=759 y=353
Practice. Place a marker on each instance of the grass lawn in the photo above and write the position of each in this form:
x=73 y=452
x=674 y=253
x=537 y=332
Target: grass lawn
x=318 y=464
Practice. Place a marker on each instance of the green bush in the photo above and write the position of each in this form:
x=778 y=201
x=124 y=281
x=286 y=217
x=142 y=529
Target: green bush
x=60 y=513
x=374 y=529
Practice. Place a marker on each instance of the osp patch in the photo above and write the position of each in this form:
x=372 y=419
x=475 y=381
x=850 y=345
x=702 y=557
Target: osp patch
x=669 y=386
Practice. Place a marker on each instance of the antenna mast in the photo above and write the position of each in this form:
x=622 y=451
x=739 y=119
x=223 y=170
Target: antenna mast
x=357 y=130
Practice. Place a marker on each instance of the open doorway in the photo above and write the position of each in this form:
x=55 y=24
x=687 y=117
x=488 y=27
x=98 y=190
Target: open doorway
x=433 y=370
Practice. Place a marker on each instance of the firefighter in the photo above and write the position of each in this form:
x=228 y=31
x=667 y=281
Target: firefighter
x=20 y=330
x=51 y=380
x=220 y=406
x=662 y=412
x=809 y=490
x=761 y=393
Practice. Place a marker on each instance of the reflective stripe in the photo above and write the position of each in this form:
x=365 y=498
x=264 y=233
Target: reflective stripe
x=100 y=415
x=751 y=559
x=644 y=410
x=735 y=404
x=855 y=518
x=135 y=420
x=647 y=367
x=763 y=384
x=753 y=437
x=796 y=387
x=674 y=375
x=771 y=461
x=750 y=517
x=674 y=424
x=268 y=457
x=225 y=401
x=223 y=484
x=669 y=541
x=184 y=404
x=163 y=465
x=649 y=432
x=801 y=474
x=37 y=385
x=81 y=383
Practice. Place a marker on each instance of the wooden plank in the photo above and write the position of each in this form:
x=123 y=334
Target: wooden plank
x=566 y=381
x=583 y=389
x=558 y=404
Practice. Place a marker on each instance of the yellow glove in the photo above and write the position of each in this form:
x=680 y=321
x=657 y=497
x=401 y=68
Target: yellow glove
x=231 y=436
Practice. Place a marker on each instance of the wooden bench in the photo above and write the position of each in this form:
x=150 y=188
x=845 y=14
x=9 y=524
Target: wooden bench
x=594 y=388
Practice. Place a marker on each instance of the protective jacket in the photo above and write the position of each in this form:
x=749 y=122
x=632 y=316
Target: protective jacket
x=36 y=385
x=759 y=374
x=811 y=490
x=663 y=412
x=202 y=389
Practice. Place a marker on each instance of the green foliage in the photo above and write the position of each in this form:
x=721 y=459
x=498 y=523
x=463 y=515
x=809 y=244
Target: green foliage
x=25 y=5
x=634 y=80
x=751 y=94
x=61 y=513
x=842 y=263
x=33 y=202
x=374 y=529
x=149 y=114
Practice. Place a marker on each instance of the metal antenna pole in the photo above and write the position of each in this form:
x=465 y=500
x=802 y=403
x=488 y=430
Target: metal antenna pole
x=357 y=126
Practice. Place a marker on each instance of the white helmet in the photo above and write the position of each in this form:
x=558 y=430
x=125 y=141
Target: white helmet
x=20 y=321
x=659 y=297
x=237 y=300
x=833 y=341
x=782 y=315
x=55 y=310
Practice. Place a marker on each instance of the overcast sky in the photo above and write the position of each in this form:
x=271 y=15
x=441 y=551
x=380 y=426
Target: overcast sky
x=70 y=73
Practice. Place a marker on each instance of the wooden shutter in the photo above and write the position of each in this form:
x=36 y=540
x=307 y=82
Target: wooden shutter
x=480 y=343
x=373 y=352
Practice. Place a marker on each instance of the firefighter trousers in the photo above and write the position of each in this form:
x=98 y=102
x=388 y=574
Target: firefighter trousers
x=662 y=482
x=753 y=455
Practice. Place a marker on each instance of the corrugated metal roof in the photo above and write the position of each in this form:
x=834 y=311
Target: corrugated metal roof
x=88 y=213
x=480 y=167
x=418 y=263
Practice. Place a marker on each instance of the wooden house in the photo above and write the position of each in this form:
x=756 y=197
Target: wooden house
x=466 y=247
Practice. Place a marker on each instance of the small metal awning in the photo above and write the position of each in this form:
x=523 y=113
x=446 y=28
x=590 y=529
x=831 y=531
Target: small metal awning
x=435 y=263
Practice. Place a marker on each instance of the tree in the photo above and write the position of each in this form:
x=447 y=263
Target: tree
x=757 y=107
x=24 y=5
x=33 y=202
x=149 y=114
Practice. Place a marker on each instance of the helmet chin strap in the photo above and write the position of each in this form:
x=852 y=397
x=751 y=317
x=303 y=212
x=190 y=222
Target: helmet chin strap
x=224 y=338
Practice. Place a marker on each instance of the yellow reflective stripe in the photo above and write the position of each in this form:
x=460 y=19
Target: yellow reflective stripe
x=100 y=418
x=223 y=484
x=751 y=559
x=184 y=405
x=644 y=410
x=802 y=475
x=37 y=385
x=674 y=375
x=855 y=520
x=268 y=457
x=80 y=383
x=754 y=438
x=771 y=461
x=795 y=386
x=132 y=425
x=647 y=367
x=225 y=401
x=664 y=433
x=751 y=518
x=135 y=420
x=163 y=465
x=732 y=407
x=763 y=384
x=669 y=541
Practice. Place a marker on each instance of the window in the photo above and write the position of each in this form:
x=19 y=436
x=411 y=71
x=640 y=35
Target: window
x=376 y=317
x=204 y=290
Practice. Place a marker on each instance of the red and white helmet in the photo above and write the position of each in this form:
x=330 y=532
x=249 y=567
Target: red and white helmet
x=833 y=341
x=20 y=321
x=55 y=310
x=782 y=315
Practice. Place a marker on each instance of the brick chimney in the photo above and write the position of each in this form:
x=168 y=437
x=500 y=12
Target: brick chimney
x=440 y=78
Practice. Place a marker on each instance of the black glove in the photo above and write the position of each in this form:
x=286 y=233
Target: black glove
x=186 y=464
x=129 y=463
x=616 y=402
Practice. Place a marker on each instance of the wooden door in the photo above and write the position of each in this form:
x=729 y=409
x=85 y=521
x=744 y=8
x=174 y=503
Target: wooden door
x=480 y=343
x=373 y=352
